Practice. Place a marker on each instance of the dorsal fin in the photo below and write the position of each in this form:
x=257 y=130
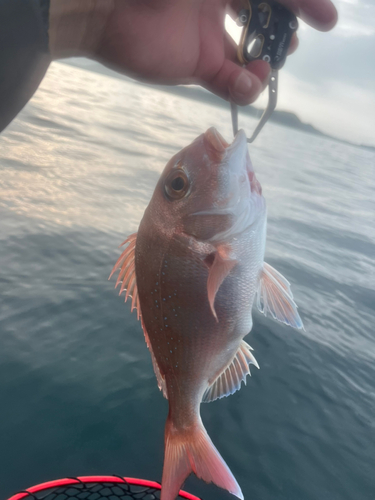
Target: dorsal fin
x=275 y=297
x=127 y=277
x=126 y=264
x=229 y=380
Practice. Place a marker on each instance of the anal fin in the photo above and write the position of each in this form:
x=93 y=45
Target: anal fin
x=159 y=377
x=230 y=379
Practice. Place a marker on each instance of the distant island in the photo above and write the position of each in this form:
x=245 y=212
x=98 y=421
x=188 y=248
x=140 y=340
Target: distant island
x=285 y=118
x=196 y=93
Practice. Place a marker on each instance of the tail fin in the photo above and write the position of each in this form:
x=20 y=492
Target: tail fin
x=193 y=451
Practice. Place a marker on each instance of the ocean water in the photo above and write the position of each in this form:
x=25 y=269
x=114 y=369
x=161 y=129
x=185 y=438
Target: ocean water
x=77 y=391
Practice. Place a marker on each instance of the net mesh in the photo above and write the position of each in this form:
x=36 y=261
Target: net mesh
x=106 y=490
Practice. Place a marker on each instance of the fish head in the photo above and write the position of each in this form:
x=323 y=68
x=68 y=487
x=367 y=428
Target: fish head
x=210 y=189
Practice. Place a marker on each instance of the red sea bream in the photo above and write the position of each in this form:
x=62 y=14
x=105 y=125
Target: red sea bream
x=194 y=270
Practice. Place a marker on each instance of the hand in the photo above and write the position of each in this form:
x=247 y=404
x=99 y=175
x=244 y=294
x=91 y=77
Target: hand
x=169 y=41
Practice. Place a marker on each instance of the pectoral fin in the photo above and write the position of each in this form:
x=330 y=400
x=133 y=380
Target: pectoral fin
x=275 y=297
x=219 y=270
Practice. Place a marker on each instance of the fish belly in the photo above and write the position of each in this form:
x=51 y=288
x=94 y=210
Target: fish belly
x=190 y=346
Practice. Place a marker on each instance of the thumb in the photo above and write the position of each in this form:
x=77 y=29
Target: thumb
x=241 y=85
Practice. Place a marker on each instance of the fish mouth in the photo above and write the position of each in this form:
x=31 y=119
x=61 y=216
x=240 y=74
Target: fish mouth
x=236 y=170
x=237 y=156
x=234 y=158
x=218 y=142
x=236 y=178
x=239 y=141
x=234 y=154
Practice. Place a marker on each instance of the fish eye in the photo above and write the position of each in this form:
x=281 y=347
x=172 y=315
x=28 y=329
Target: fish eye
x=177 y=184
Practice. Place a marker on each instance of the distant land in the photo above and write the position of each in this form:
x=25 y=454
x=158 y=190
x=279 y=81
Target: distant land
x=196 y=93
x=285 y=118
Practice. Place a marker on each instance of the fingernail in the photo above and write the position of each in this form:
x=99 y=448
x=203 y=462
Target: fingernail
x=243 y=85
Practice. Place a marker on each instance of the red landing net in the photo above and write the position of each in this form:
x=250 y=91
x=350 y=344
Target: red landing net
x=97 y=488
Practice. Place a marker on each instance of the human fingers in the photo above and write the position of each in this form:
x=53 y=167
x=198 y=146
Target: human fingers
x=262 y=70
x=236 y=83
x=259 y=68
x=320 y=14
x=293 y=44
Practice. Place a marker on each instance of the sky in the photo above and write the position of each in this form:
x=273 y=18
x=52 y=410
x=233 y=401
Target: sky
x=330 y=80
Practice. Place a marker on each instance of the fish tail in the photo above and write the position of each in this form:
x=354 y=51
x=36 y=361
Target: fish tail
x=193 y=451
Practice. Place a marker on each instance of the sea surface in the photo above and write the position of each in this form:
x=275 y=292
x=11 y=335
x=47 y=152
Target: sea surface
x=77 y=391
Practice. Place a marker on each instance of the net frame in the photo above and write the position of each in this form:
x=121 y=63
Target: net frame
x=32 y=492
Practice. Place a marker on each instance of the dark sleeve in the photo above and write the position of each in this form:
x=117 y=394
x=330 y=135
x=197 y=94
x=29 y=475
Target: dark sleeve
x=24 y=55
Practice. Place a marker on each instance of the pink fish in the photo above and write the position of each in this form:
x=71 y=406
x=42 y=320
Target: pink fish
x=194 y=270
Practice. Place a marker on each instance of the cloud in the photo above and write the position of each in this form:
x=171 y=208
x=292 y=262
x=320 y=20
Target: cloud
x=335 y=56
x=356 y=18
